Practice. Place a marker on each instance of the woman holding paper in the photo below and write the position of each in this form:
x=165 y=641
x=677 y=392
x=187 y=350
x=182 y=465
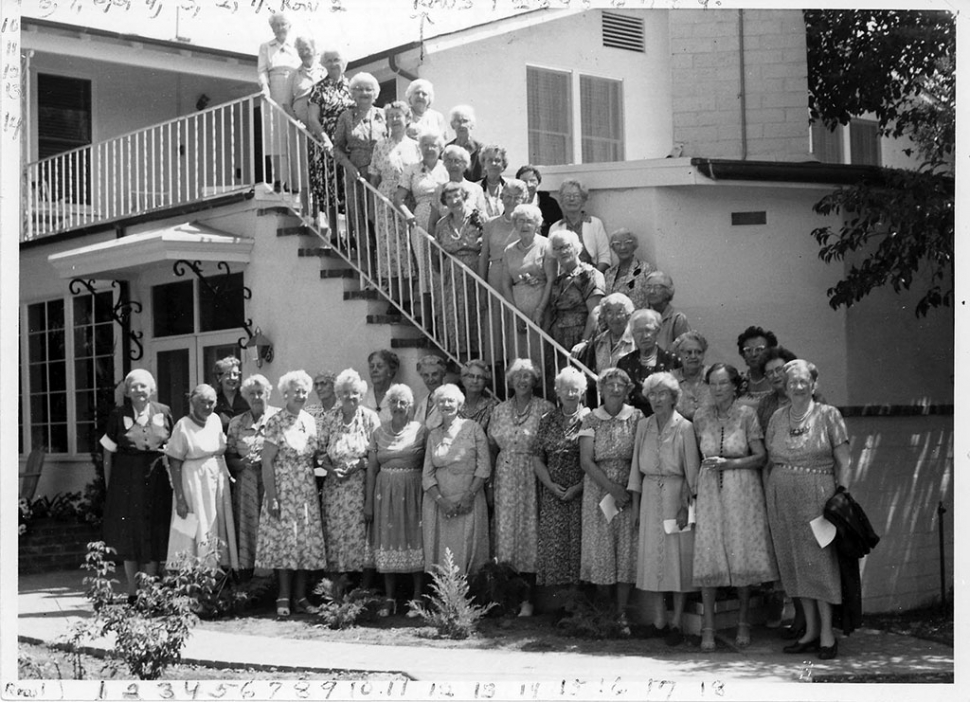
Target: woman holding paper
x=732 y=547
x=290 y=531
x=808 y=448
x=202 y=522
x=663 y=482
x=608 y=556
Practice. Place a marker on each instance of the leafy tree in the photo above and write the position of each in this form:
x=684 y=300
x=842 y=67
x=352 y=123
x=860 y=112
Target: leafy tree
x=898 y=65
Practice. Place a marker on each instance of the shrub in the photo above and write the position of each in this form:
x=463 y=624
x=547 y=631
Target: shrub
x=150 y=635
x=586 y=620
x=211 y=590
x=342 y=608
x=452 y=610
x=500 y=584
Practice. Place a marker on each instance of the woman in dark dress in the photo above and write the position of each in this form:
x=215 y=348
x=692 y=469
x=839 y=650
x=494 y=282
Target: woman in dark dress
x=561 y=477
x=138 y=504
x=229 y=401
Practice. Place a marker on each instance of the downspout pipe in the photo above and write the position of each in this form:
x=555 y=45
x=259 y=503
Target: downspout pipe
x=392 y=64
x=742 y=90
x=786 y=172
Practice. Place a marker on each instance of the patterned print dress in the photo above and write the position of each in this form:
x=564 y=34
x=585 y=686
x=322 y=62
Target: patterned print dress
x=458 y=292
x=609 y=553
x=570 y=291
x=245 y=440
x=332 y=97
x=560 y=530
x=398 y=538
x=516 y=516
x=295 y=540
x=390 y=160
x=344 y=528
x=732 y=546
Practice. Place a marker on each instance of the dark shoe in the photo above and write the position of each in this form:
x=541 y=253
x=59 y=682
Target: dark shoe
x=790 y=632
x=277 y=186
x=797 y=647
x=674 y=637
x=827 y=653
x=652 y=632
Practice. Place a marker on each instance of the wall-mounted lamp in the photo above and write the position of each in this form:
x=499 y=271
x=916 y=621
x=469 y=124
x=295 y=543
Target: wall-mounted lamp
x=263 y=348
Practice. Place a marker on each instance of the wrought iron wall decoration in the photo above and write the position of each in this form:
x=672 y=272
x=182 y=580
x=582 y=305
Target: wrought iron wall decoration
x=121 y=313
x=220 y=293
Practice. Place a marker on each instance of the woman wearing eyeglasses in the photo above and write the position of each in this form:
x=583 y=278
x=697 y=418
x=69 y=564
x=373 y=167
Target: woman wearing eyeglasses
x=690 y=347
x=673 y=322
x=732 y=547
x=477 y=406
x=752 y=342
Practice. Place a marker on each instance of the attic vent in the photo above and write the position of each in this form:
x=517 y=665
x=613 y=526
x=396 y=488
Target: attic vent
x=623 y=32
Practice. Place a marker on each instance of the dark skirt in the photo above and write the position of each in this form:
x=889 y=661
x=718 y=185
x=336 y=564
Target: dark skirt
x=138 y=507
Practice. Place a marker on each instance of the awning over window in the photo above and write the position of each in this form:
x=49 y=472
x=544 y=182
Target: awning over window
x=122 y=258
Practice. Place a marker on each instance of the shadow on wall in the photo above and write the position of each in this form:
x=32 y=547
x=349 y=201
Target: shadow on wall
x=903 y=468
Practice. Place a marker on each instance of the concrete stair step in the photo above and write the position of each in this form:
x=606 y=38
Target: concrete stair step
x=338 y=273
x=418 y=342
x=362 y=295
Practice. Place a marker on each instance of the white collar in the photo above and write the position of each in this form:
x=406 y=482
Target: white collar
x=623 y=414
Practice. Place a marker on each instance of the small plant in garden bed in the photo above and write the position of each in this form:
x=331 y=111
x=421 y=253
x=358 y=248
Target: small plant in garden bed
x=586 y=619
x=341 y=607
x=500 y=584
x=452 y=610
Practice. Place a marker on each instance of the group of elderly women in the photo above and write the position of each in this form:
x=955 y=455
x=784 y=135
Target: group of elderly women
x=690 y=487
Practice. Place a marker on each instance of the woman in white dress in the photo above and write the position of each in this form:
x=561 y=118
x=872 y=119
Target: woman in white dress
x=202 y=522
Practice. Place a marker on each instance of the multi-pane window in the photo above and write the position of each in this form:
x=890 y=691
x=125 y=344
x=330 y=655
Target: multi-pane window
x=601 y=107
x=94 y=366
x=226 y=310
x=172 y=309
x=864 y=141
x=826 y=144
x=553 y=137
x=549 y=99
x=47 y=376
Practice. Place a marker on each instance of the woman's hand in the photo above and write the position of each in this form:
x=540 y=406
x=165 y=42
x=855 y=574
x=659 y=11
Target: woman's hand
x=620 y=495
x=449 y=508
x=352 y=171
x=715 y=463
x=182 y=507
x=577 y=350
x=368 y=511
x=573 y=492
x=681 y=517
x=558 y=490
x=274 y=507
x=466 y=502
x=520 y=326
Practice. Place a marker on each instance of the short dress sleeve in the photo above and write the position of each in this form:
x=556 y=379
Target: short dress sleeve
x=635 y=483
x=273 y=433
x=178 y=444
x=113 y=430
x=483 y=456
x=750 y=424
x=835 y=426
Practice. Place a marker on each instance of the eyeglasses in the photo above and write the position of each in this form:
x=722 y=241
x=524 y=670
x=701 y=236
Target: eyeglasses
x=692 y=352
x=780 y=370
x=474 y=377
x=748 y=351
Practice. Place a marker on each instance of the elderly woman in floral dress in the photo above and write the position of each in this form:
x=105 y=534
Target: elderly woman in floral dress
x=629 y=274
x=392 y=155
x=560 y=529
x=732 y=546
x=606 y=440
x=359 y=128
x=512 y=434
x=393 y=497
x=328 y=99
x=576 y=292
x=673 y=322
x=456 y=466
x=244 y=447
x=345 y=435
x=290 y=530
x=615 y=341
x=459 y=233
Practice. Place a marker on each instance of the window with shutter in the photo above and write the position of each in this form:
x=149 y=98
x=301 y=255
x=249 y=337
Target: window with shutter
x=549 y=100
x=826 y=144
x=601 y=107
x=63 y=124
x=864 y=142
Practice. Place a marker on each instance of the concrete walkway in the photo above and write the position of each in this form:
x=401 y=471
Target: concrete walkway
x=49 y=603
